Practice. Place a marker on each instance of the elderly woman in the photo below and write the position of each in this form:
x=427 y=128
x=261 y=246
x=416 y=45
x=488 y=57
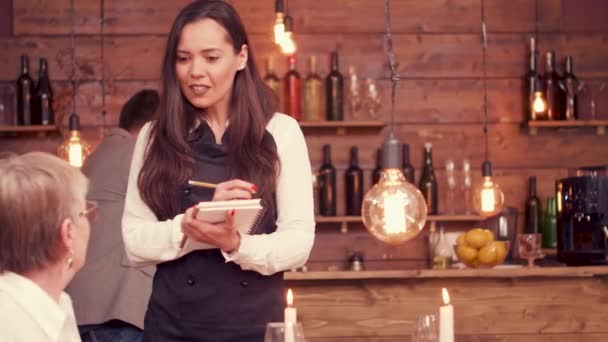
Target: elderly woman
x=44 y=231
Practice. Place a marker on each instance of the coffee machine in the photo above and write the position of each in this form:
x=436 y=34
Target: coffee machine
x=582 y=217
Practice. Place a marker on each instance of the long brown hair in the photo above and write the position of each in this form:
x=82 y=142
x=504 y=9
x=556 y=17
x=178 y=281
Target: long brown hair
x=253 y=156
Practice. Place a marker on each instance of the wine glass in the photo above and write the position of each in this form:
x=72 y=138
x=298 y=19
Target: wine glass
x=530 y=247
x=280 y=332
x=426 y=329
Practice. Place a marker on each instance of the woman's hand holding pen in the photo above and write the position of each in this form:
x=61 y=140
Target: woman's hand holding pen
x=234 y=189
x=223 y=234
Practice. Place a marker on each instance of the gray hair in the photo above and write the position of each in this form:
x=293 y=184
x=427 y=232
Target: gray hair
x=37 y=192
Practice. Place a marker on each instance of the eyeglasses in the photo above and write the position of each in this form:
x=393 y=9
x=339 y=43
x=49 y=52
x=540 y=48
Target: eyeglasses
x=91 y=211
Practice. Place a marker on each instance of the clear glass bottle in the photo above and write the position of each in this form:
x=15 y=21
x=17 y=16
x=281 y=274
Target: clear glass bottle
x=450 y=192
x=313 y=93
x=467 y=183
x=443 y=252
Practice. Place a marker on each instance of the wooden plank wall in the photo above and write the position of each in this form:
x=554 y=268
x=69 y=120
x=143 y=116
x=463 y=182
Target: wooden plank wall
x=439 y=99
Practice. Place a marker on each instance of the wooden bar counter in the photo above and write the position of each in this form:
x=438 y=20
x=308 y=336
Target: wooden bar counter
x=503 y=304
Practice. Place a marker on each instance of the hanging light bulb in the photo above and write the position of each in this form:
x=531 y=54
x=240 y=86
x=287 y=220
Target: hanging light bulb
x=73 y=148
x=488 y=198
x=288 y=45
x=538 y=104
x=394 y=211
x=279 y=23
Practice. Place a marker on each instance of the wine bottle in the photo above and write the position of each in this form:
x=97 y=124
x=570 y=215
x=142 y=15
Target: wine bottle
x=327 y=185
x=271 y=78
x=428 y=181
x=408 y=168
x=532 y=84
x=552 y=92
x=313 y=93
x=292 y=86
x=25 y=91
x=335 y=91
x=533 y=209
x=377 y=172
x=353 y=182
x=570 y=88
x=42 y=105
x=550 y=224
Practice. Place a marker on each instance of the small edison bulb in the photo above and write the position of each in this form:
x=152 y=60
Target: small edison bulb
x=279 y=28
x=394 y=211
x=488 y=198
x=539 y=104
x=288 y=46
x=73 y=148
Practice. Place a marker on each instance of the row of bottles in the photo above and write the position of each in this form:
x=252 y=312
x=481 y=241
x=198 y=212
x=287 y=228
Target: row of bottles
x=353 y=181
x=34 y=103
x=316 y=100
x=550 y=96
x=537 y=221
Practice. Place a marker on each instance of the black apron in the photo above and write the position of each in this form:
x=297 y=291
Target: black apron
x=199 y=297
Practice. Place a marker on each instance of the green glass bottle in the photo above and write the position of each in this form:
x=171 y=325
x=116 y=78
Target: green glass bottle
x=550 y=225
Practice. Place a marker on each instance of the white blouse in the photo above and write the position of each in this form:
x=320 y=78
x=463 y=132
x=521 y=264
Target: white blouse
x=148 y=241
x=28 y=313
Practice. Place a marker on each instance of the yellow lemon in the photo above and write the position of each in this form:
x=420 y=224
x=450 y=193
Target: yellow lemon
x=501 y=250
x=466 y=254
x=489 y=234
x=487 y=255
x=461 y=240
x=476 y=237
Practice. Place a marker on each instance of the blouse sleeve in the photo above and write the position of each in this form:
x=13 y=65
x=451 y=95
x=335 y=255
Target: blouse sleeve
x=147 y=241
x=290 y=245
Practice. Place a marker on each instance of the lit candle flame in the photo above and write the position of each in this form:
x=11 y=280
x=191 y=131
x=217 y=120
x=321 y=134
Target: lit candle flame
x=446 y=296
x=289 y=298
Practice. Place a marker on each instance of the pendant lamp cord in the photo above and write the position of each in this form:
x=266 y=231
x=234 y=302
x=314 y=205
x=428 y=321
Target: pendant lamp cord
x=391 y=62
x=484 y=44
x=103 y=65
x=73 y=47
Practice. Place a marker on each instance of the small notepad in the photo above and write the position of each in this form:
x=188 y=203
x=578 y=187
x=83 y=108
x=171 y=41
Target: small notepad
x=246 y=216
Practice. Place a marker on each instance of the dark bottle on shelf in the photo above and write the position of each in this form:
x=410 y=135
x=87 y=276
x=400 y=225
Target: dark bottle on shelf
x=377 y=172
x=271 y=78
x=532 y=84
x=407 y=167
x=551 y=79
x=570 y=88
x=25 y=91
x=353 y=182
x=334 y=85
x=428 y=181
x=42 y=105
x=293 y=89
x=533 y=210
x=313 y=94
x=327 y=185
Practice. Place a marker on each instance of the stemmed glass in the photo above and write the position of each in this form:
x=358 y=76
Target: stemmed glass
x=530 y=247
x=279 y=332
x=426 y=329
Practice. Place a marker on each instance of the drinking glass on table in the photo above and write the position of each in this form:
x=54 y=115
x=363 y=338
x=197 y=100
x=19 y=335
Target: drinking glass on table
x=530 y=247
x=279 y=332
x=426 y=329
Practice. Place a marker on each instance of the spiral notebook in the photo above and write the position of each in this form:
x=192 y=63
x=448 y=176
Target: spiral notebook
x=246 y=217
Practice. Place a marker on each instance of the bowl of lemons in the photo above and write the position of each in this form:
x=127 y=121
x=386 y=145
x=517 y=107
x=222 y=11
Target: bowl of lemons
x=477 y=248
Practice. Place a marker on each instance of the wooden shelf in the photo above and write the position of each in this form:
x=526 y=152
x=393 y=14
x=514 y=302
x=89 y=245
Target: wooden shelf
x=497 y=272
x=599 y=125
x=345 y=220
x=28 y=129
x=342 y=126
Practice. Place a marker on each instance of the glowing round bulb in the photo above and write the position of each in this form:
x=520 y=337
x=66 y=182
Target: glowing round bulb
x=394 y=211
x=279 y=29
x=74 y=149
x=539 y=104
x=488 y=198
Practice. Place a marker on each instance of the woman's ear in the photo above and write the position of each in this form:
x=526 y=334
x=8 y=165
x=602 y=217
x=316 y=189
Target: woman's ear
x=66 y=232
x=243 y=57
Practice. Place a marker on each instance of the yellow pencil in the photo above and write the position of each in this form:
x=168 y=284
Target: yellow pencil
x=202 y=184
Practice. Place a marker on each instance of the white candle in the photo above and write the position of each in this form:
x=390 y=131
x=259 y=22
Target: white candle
x=291 y=318
x=446 y=319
